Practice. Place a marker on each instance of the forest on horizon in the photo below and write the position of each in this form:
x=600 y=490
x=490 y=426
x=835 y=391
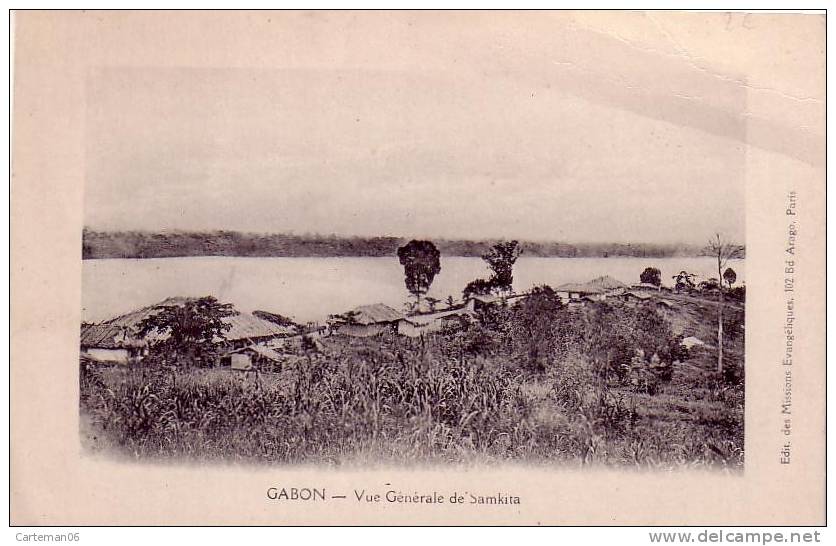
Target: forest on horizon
x=145 y=244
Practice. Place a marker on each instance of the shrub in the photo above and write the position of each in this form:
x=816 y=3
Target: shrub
x=651 y=275
x=738 y=293
x=478 y=287
x=533 y=326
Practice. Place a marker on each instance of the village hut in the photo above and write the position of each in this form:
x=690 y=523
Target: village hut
x=608 y=284
x=251 y=357
x=418 y=324
x=118 y=340
x=367 y=321
x=477 y=303
x=108 y=343
x=595 y=290
x=247 y=329
x=480 y=302
x=571 y=292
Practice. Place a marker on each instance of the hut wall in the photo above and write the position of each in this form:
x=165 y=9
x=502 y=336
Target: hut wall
x=109 y=355
x=240 y=361
x=363 y=330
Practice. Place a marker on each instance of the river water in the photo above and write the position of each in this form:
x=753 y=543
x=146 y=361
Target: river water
x=309 y=289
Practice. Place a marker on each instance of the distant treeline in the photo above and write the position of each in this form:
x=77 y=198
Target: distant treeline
x=142 y=244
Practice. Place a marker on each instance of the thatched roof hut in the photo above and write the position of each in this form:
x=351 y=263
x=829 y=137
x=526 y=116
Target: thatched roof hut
x=122 y=332
x=366 y=320
x=374 y=314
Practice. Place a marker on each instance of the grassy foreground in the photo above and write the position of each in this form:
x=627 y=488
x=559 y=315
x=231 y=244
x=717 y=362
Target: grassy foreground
x=537 y=383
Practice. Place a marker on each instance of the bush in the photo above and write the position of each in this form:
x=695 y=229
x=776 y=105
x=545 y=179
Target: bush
x=651 y=275
x=738 y=293
x=533 y=326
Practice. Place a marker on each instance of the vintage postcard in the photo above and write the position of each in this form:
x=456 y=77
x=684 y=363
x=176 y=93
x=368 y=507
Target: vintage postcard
x=418 y=267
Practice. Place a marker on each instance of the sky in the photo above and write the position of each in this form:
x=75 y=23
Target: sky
x=574 y=127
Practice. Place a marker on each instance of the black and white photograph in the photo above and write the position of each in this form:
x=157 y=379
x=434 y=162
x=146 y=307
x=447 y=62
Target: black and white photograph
x=480 y=261
x=418 y=267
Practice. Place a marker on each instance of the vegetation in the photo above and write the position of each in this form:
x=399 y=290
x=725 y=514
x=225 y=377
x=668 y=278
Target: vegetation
x=738 y=293
x=730 y=276
x=651 y=275
x=478 y=287
x=709 y=285
x=500 y=260
x=187 y=332
x=421 y=262
x=532 y=326
x=684 y=281
x=603 y=383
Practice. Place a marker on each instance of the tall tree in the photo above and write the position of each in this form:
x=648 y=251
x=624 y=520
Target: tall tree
x=723 y=251
x=421 y=262
x=501 y=259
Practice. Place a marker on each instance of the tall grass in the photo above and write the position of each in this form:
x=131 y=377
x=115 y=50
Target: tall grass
x=394 y=400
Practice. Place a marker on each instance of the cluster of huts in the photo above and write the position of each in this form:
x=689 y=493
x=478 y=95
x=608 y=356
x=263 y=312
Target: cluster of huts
x=372 y=320
x=252 y=339
x=606 y=287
